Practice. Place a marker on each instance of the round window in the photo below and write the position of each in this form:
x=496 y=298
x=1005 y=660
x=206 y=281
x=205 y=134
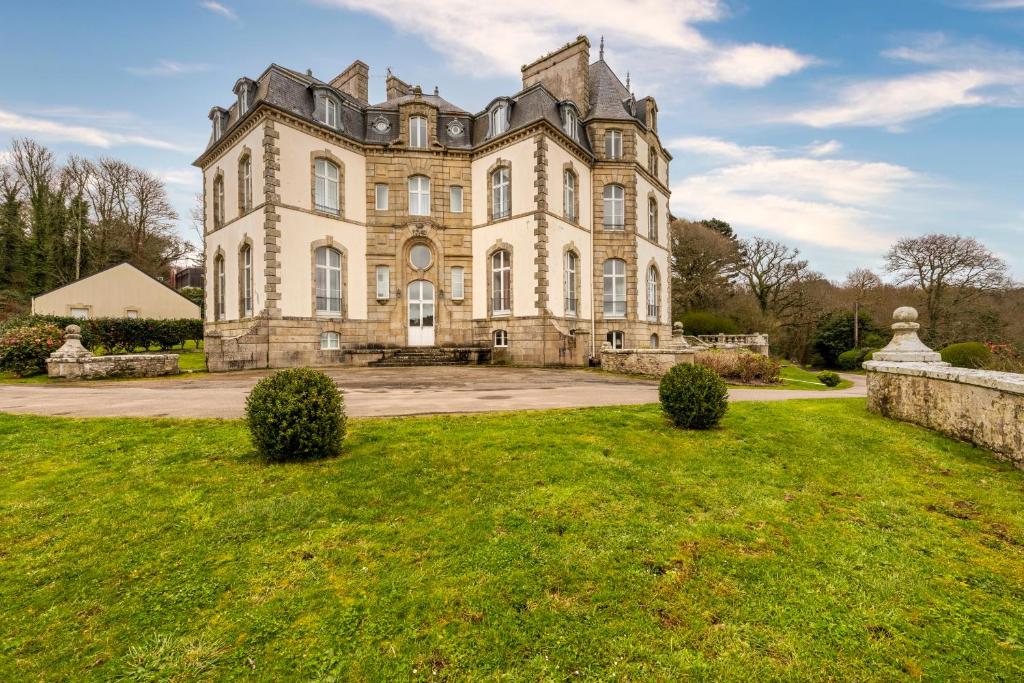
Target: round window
x=420 y=256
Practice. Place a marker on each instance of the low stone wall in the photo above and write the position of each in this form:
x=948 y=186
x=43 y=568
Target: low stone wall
x=653 y=362
x=127 y=365
x=982 y=407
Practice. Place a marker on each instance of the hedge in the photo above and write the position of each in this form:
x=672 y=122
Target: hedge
x=120 y=334
x=967 y=355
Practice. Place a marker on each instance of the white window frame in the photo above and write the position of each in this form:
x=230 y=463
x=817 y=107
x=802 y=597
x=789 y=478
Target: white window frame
x=79 y=313
x=501 y=282
x=458 y=283
x=572 y=298
x=618 y=339
x=218 y=201
x=455 y=199
x=324 y=290
x=243 y=99
x=500 y=338
x=330 y=111
x=652 y=219
x=418 y=132
x=498 y=120
x=380 y=191
x=614 y=290
x=569 y=194
x=132 y=313
x=217 y=127
x=613 y=144
x=327 y=193
x=330 y=341
x=653 y=310
x=383 y=283
x=419 y=195
x=569 y=122
x=614 y=207
x=501 y=180
x=247 y=302
x=219 y=312
x=247 y=184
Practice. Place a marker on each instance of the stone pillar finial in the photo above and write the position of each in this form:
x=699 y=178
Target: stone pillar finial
x=72 y=347
x=906 y=346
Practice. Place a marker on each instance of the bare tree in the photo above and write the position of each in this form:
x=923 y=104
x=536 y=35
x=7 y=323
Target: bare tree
x=860 y=282
x=773 y=272
x=950 y=271
x=704 y=263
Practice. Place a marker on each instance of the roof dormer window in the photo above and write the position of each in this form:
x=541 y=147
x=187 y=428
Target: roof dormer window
x=570 y=121
x=498 y=119
x=218 y=128
x=243 y=99
x=330 y=112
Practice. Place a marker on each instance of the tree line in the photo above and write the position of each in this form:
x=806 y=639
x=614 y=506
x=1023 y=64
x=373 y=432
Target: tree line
x=63 y=221
x=961 y=288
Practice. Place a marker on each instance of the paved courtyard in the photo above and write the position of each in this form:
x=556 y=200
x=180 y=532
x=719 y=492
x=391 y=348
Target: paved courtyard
x=368 y=392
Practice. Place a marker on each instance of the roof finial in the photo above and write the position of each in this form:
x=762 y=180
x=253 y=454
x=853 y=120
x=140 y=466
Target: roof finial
x=389 y=72
x=436 y=91
x=600 y=53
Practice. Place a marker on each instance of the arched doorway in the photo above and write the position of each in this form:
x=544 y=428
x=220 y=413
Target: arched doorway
x=421 y=313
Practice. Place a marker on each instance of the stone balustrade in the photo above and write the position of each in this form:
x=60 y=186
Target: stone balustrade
x=908 y=381
x=74 y=361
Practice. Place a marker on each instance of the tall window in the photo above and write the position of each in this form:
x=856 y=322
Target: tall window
x=419 y=195
x=500 y=193
x=498 y=120
x=218 y=201
x=654 y=341
x=456 y=199
x=569 y=121
x=381 y=196
x=243 y=100
x=614 y=207
x=383 y=283
x=652 y=219
x=458 y=283
x=613 y=144
x=652 y=294
x=245 y=178
x=216 y=127
x=615 y=288
x=501 y=282
x=328 y=281
x=569 y=195
x=330 y=112
x=218 y=293
x=417 y=131
x=246 y=264
x=571 y=295
x=327 y=198
x=652 y=161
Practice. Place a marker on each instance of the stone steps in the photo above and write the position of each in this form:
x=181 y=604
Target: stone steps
x=432 y=355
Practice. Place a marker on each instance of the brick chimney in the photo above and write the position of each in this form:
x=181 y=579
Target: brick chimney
x=564 y=72
x=355 y=80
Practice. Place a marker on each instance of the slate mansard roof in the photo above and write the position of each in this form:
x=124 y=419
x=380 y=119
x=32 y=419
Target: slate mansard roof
x=295 y=93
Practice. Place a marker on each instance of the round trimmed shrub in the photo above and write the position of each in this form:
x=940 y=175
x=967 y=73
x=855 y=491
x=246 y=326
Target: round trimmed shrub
x=850 y=360
x=693 y=396
x=296 y=414
x=967 y=355
x=24 y=349
x=829 y=378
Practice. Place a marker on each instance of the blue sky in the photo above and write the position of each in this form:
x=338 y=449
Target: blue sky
x=836 y=127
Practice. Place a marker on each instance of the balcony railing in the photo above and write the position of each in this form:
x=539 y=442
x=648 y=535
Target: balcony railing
x=652 y=312
x=323 y=208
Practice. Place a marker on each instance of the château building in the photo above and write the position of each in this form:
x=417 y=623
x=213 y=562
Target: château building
x=336 y=229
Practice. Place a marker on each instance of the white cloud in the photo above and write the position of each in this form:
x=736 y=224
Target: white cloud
x=496 y=38
x=717 y=148
x=754 y=65
x=996 y=5
x=218 y=8
x=836 y=203
x=189 y=176
x=824 y=149
x=166 y=67
x=84 y=135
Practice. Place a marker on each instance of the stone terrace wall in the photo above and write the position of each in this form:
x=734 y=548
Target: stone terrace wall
x=982 y=407
x=653 y=362
x=128 y=365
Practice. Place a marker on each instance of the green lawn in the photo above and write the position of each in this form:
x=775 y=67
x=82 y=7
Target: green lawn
x=802 y=540
x=795 y=377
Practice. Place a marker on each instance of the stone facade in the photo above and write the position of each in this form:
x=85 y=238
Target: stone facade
x=365 y=212
x=652 y=362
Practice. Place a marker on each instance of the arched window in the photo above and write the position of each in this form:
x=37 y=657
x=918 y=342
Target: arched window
x=616 y=339
x=330 y=111
x=418 y=132
x=571 y=295
x=327 y=189
x=501 y=282
x=654 y=341
x=218 y=201
x=614 y=207
x=497 y=119
x=652 y=161
x=615 y=288
x=330 y=341
x=245 y=265
x=328 y=281
x=652 y=294
x=245 y=183
x=419 y=195
x=652 y=219
x=500 y=339
x=569 y=121
x=219 y=281
x=569 y=195
x=243 y=99
x=500 y=186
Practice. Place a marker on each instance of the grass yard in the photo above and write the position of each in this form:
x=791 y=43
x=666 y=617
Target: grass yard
x=803 y=540
x=794 y=377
